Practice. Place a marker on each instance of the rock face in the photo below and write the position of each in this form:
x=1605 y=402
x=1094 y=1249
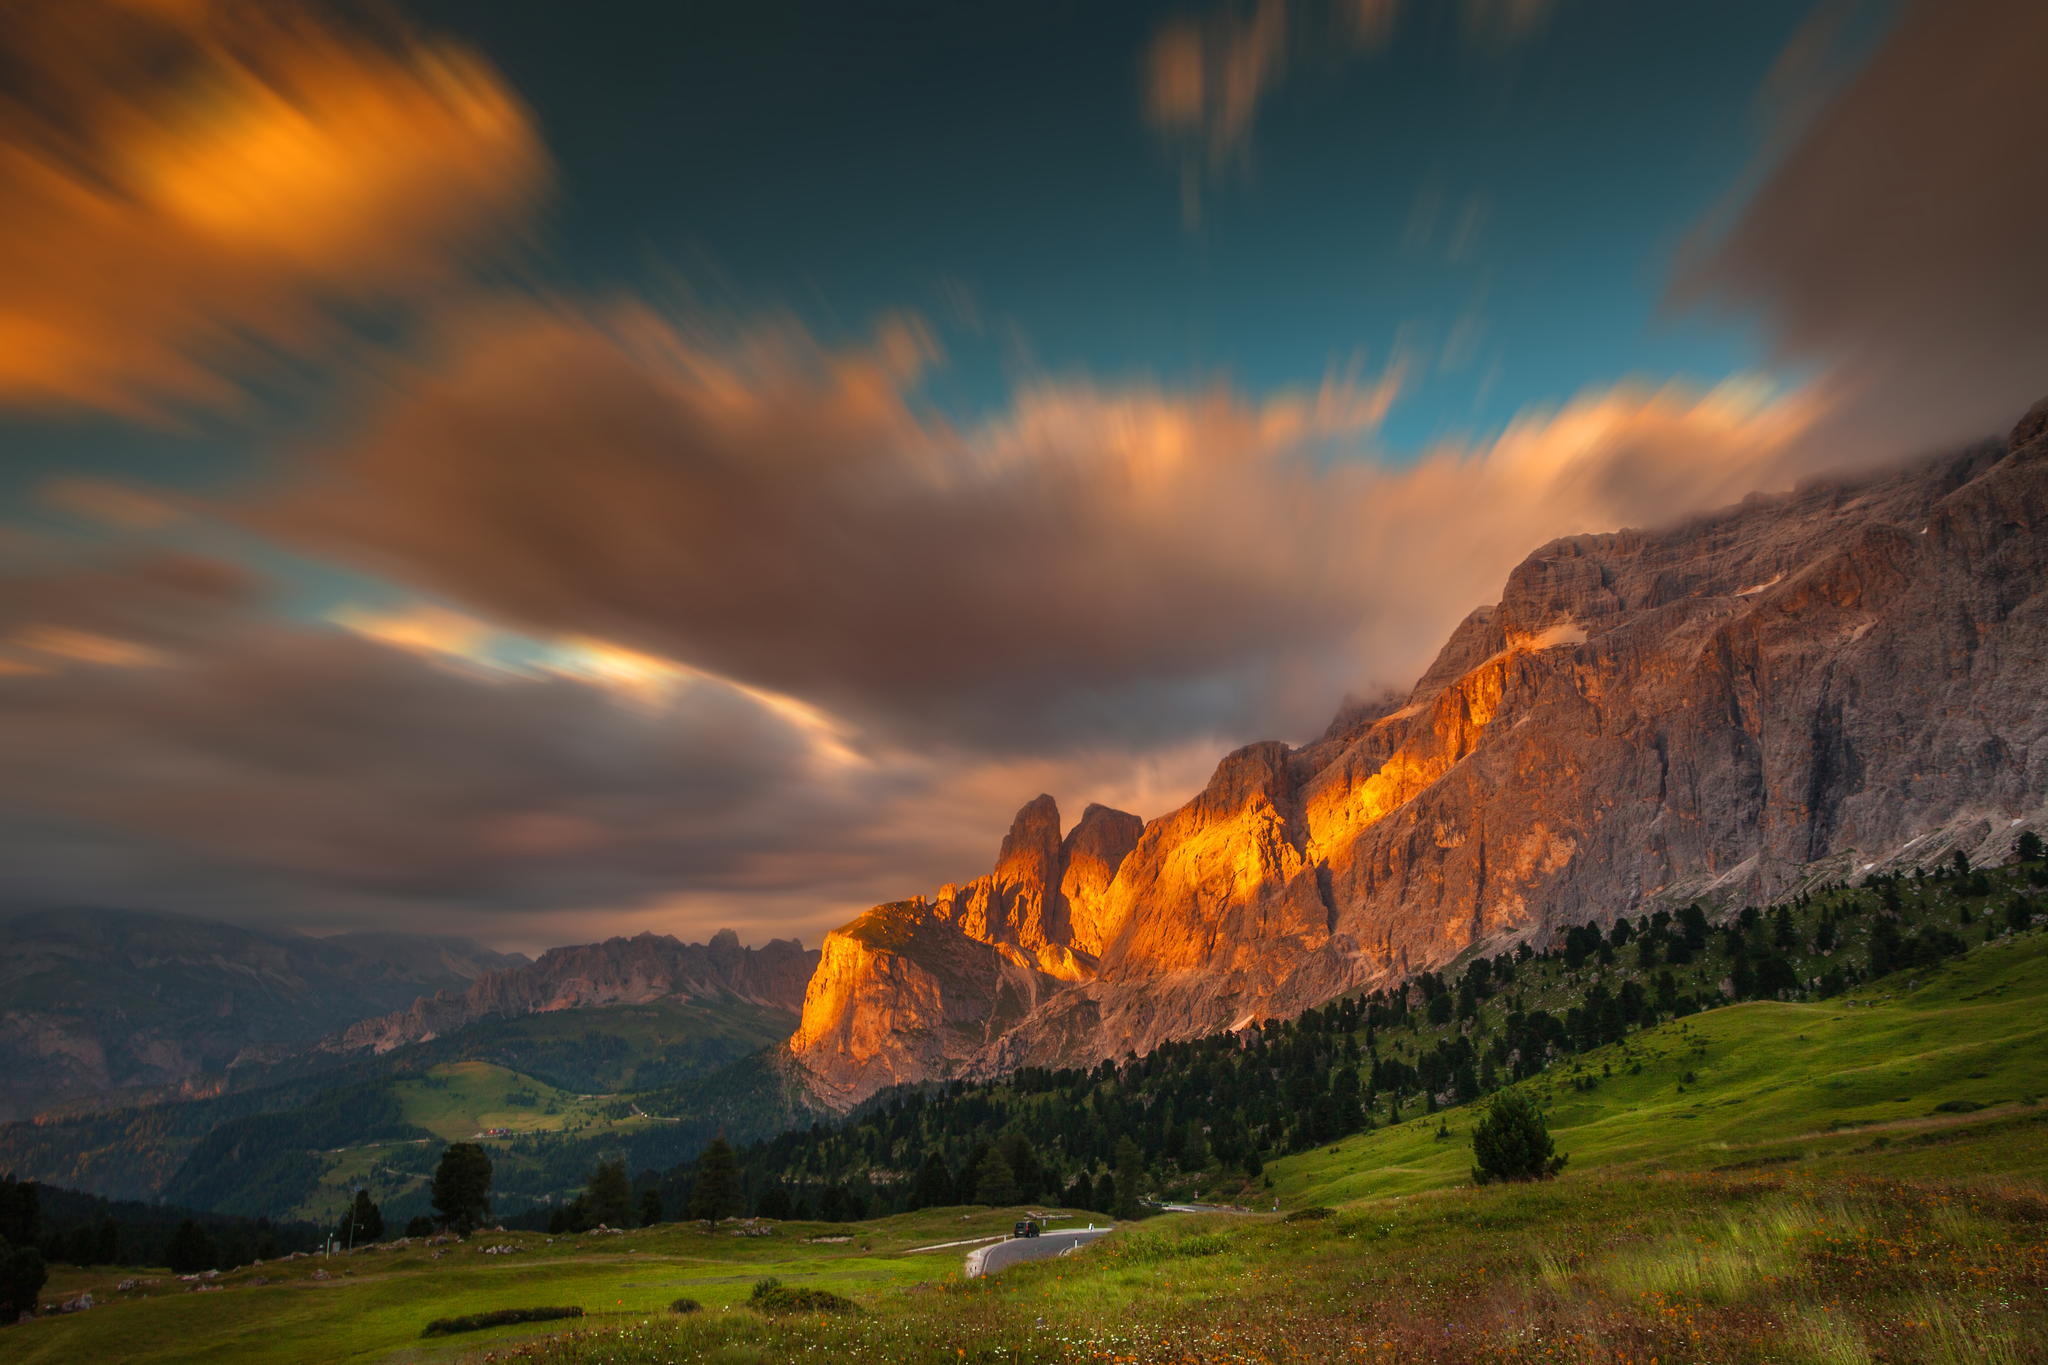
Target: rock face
x=613 y=973
x=104 y=1002
x=618 y=971
x=916 y=988
x=1805 y=685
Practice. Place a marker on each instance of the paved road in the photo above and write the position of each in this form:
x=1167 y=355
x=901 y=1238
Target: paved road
x=988 y=1260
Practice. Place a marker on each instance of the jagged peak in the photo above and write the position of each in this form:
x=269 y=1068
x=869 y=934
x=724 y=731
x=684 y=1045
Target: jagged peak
x=1259 y=769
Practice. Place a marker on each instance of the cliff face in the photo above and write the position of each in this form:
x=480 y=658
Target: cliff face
x=1805 y=685
x=917 y=988
x=618 y=971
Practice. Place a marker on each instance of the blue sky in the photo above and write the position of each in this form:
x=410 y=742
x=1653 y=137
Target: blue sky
x=540 y=471
x=1506 y=210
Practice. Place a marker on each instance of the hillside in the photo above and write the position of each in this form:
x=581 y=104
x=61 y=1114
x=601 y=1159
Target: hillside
x=1204 y=1117
x=1802 y=688
x=1877 y=1197
x=294 y=1145
x=102 y=1001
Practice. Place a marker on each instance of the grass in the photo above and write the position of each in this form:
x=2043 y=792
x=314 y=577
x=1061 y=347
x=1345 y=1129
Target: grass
x=1771 y=1084
x=1761 y=1183
x=373 y=1305
x=457 y=1101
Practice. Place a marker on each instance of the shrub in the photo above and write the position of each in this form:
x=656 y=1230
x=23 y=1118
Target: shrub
x=1512 y=1143
x=773 y=1296
x=500 y=1317
x=686 y=1306
x=1308 y=1215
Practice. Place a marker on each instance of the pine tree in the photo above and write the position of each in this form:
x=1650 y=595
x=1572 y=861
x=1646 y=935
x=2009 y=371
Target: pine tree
x=994 y=1181
x=363 y=1223
x=190 y=1249
x=1130 y=1178
x=934 y=1185
x=608 y=1195
x=1024 y=1165
x=650 y=1207
x=717 y=1193
x=462 y=1186
x=1512 y=1142
x=22 y=1276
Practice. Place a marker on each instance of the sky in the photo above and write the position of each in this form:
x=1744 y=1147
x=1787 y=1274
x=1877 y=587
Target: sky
x=537 y=472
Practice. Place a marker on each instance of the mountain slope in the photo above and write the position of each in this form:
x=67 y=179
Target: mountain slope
x=618 y=971
x=100 y=1000
x=1802 y=685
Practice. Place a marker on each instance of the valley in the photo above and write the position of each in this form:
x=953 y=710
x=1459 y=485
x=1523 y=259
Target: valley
x=1850 y=1179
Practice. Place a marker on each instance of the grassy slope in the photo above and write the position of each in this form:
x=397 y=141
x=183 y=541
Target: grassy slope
x=1801 y=1200
x=375 y=1302
x=1770 y=1080
x=457 y=1102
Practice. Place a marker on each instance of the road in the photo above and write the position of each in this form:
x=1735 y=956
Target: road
x=988 y=1260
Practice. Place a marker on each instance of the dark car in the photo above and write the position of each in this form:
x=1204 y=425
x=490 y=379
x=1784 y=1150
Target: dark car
x=1026 y=1227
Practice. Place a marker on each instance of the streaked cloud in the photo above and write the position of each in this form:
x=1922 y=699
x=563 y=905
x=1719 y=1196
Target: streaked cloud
x=190 y=191
x=107 y=503
x=1204 y=76
x=1892 y=236
x=1128 y=565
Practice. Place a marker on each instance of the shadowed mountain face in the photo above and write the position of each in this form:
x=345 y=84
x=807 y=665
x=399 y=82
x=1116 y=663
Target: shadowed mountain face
x=100 y=1001
x=1802 y=685
x=618 y=971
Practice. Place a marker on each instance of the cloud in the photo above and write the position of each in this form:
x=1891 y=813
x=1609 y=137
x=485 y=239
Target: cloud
x=1093 y=563
x=1892 y=239
x=189 y=190
x=1126 y=567
x=721 y=632
x=1203 y=79
x=178 y=745
x=106 y=503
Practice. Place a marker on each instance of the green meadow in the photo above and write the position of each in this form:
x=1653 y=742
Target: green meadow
x=1846 y=1182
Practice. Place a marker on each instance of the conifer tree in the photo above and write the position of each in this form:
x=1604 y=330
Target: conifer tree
x=994 y=1181
x=462 y=1186
x=1513 y=1143
x=717 y=1193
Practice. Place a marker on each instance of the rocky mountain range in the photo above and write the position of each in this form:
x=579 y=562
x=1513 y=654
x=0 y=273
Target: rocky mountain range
x=618 y=971
x=1807 y=685
x=99 y=1002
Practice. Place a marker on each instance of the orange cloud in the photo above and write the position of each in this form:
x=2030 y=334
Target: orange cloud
x=1129 y=563
x=106 y=503
x=188 y=187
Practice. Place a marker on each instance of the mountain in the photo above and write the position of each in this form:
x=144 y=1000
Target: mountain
x=100 y=1001
x=618 y=971
x=638 y=1045
x=1807 y=685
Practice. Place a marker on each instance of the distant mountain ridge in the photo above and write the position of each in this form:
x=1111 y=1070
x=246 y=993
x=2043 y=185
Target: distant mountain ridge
x=95 y=1002
x=618 y=971
x=1808 y=685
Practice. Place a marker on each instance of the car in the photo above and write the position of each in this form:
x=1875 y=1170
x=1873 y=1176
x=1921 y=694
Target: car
x=1026 y=1227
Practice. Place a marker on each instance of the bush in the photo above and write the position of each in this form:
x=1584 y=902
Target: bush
x=686 y=1306
x=773 y=1296
x=1308 y=1215
x=1512 y=1143
x=501 y=1317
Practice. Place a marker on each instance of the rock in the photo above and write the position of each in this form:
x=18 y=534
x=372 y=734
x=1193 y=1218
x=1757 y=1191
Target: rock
x=1819 y=684
x=77 y=1305
x=618 y=971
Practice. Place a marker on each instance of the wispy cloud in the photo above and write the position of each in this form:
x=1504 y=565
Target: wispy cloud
x=188 y=190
